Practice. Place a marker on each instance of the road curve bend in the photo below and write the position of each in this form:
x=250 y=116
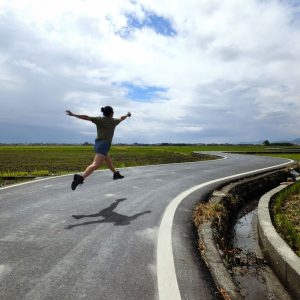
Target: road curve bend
x=124 y=239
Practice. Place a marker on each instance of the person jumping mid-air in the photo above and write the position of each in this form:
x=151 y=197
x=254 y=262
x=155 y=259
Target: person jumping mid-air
x=105 y=132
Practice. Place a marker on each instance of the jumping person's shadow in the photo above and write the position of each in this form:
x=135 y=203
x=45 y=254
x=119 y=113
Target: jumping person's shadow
x=109 y=216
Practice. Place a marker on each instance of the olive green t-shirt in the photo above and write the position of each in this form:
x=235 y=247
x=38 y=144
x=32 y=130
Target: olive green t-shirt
x=105 y=127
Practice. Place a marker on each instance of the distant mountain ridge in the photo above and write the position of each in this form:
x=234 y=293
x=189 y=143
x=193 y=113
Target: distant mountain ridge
x=296 y=141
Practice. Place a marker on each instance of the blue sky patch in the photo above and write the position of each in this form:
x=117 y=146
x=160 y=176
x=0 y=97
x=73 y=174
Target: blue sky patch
x=142 y=93
x=157 y=23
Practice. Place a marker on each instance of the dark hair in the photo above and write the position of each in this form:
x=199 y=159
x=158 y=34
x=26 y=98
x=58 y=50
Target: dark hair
x=107 y=111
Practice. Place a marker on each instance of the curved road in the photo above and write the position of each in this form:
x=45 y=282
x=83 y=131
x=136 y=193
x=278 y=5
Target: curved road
x=131 y=238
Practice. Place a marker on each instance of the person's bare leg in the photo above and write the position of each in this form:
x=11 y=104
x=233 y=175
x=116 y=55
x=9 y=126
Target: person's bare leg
x=98 y=161
x=110 y=164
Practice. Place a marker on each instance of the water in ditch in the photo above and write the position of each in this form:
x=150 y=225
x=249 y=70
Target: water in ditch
x=250 y=271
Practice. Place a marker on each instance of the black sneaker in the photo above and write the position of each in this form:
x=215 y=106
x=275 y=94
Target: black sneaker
x=78 y=179
x=117 y=175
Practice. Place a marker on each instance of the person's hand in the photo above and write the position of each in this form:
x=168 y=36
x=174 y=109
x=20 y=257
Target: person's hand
x=69 y=113
x=128 y=114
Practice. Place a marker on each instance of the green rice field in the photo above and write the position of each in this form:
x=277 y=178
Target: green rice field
x=20 y=162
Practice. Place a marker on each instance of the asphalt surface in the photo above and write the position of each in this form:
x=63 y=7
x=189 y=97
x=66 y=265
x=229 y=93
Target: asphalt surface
x=110 y=250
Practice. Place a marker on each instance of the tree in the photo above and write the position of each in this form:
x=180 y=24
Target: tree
x=266 y=143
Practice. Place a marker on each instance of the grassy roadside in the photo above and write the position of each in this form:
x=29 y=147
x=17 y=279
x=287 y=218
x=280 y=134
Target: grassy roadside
x=286 y=216
x=21 y=163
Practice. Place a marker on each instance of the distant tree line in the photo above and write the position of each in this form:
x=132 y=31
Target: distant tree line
x=285 y=144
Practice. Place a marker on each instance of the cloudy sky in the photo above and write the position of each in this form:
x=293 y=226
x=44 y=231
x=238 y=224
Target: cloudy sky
x=189 y=71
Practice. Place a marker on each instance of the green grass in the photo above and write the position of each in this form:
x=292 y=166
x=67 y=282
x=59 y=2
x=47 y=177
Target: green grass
x=286 y=215
x=34 y=173
x=18 y=162
x=293 y=156
x=73 y=158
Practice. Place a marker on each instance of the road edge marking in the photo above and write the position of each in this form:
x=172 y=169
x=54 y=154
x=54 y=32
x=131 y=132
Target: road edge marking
x=166 y=274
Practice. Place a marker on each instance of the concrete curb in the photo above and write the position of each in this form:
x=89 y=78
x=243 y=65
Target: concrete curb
x=284 y=262
x=215 y=264
x=211 y=254
x=209 y=250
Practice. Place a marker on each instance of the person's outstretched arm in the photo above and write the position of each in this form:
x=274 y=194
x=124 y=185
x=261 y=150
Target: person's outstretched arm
x=126 y=116
x=82 y=117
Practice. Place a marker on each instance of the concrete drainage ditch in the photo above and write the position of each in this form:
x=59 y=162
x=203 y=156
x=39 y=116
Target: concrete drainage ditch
x=228 y=239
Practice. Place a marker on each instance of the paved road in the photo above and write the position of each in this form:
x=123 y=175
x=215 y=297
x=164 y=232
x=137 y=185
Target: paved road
x=110 y=250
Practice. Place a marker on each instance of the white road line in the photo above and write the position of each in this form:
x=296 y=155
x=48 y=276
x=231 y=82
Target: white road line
x=166 y=275
x=32 y=181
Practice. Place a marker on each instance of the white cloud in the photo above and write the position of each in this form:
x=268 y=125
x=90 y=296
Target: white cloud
x=30 y=66
x=232 y=67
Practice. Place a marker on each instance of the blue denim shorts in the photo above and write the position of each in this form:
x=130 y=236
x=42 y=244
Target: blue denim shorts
x=102 y=147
